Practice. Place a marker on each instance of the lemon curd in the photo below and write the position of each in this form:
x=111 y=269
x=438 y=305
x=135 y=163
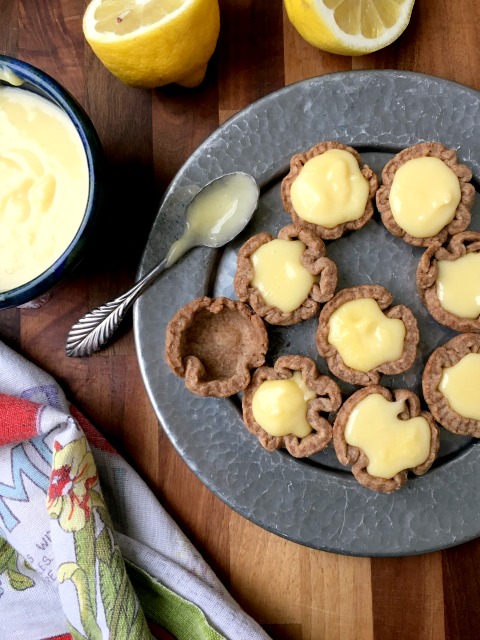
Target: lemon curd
x=458 y=285
x=44 y=185
x=330 y=189
x=364 y=336
x=10 y=77
x=459 y=385
x=390 y=444
x=424 y=196
x=280 y=406
x=216 y=214
x=279 y=274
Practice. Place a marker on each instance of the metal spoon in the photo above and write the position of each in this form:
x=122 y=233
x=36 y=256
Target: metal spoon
x=216 y=214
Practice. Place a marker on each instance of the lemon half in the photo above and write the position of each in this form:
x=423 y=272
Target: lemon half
x=151 y=43
x=349 y=27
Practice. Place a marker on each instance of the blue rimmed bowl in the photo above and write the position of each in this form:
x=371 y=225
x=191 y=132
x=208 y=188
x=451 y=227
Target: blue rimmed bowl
x=37 y=81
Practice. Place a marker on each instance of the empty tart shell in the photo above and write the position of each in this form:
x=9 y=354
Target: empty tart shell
x=445 y=356
x=458 y=246
x=462 y=216
x=313 y=259
x=328 y=399
x=356 y=457
x=214 y=343
x=297 y=163
x=384 y=300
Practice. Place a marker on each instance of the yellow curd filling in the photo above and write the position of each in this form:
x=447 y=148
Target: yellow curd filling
x=43 y=185
x=330 y=189
x=460 y=386
x=458 y=285
x=279 y=274
x=424 y=196
x=9 y=76
x=280 y=406
x=391 y=444
x=216 y=214
x=364 y=336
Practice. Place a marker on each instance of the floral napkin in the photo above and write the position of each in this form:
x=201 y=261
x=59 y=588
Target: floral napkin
x=86 y=551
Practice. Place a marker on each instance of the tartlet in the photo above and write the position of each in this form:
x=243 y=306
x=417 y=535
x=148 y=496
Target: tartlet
x=313 y=259
x=356 y=457
x=214 y=343
x=444 y=357
x=297 y=163
x=462 y=214
x=460 y=245
x=328 y=399
x=384 y=299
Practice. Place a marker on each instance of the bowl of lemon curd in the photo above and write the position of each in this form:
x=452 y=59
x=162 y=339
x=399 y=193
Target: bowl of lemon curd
x=50 y=159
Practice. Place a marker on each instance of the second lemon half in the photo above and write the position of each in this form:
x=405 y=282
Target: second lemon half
x=349 y=27
x=151 y=43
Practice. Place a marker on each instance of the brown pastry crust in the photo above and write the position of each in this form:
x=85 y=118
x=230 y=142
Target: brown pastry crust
x=313 y=259
x=354 y=456
x=213 y=344
x=446 y=356
x=296 y=165
x=329 y=399
x=427 y=273
x=463 y=213
x=384 y=299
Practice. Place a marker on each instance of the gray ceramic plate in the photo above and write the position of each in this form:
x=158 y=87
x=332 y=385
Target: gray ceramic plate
x=315 y=502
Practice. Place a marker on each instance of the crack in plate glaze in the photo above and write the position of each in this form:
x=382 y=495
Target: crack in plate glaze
x=316 y=501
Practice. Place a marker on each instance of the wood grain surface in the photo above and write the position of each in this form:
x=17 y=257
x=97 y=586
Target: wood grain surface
x=294 y=592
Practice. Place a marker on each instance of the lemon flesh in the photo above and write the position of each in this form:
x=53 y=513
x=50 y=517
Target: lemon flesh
x=151 y=43
x=122 y=17
x=349 y=27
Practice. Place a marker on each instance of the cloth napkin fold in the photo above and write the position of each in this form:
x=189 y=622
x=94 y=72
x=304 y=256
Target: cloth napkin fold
x=86 y=550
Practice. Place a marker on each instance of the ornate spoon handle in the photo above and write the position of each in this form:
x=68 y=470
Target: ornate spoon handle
x=96 y=328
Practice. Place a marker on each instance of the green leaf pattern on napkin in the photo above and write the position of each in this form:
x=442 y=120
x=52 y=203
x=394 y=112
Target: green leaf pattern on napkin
x=180 y=617
x=9 y=565
x=97 y=571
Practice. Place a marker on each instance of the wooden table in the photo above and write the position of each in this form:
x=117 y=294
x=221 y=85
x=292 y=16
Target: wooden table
x=294 y=592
